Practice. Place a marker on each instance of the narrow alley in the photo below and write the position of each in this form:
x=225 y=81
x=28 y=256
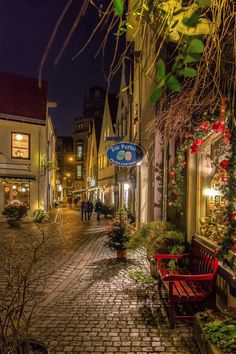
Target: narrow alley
x=91 y=303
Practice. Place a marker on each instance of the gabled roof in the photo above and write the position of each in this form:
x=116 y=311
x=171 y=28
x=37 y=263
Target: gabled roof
x=98 y=129
x=21 y=97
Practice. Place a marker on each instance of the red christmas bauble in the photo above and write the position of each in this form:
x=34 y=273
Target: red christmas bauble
x=224 y=164
x=172 y=173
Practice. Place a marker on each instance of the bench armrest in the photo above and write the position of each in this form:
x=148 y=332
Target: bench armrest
x=169 y=256
x=198 y=277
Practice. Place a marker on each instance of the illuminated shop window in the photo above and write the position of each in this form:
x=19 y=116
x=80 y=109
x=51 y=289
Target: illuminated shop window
x=20 y=145
x=17 y=191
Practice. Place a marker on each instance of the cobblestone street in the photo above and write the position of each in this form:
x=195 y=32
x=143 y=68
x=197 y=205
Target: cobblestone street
x=92 y=305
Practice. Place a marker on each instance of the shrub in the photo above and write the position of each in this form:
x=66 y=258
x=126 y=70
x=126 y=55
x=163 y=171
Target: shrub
x=40 y=215
x=159 y=237
x=15 y=210
x=108 y=210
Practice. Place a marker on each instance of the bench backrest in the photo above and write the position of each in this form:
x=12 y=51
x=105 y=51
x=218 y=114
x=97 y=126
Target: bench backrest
x=203 y=259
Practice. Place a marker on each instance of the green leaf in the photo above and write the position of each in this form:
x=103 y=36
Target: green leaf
x=188 y=72
x=203 y=3
x=156 y=95
x=173 y=83
x=191 y=59
x=193 y=20
x=196 y=46
x=161 y=69
x=145 y=6
x=118 y=7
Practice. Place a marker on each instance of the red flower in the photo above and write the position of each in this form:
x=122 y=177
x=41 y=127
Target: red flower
x=172 y=173
x=204 y=126
x=224 y=164
x=194 y=148
x=218 y=127
x=198 y=142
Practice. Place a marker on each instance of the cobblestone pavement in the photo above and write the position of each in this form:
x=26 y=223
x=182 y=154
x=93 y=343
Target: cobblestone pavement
x=92 y=305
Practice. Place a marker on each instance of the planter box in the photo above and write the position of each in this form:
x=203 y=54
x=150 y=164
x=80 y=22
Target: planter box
x=204 y=346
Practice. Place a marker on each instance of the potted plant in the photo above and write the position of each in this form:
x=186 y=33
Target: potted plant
x=215 y=332
x=158 y=237
x=14 y=212
x=40 y=215
x=119 y=232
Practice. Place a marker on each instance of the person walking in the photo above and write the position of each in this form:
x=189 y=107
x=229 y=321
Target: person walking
x=76 y=201
x=83 y=209
x=70 y=201
x=98 y=208
x=89 y=208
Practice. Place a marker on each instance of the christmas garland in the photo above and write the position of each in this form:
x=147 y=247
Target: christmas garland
x=193 y=141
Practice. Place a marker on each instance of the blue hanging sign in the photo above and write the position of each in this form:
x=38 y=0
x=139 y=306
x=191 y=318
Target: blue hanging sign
x=125 y=154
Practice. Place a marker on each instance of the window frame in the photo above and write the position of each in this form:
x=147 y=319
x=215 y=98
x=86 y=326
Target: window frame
x=79 y=177
x=82 y=148
x=29 y=146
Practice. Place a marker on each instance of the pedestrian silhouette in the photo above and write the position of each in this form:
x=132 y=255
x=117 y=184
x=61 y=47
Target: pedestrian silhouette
x=83 y=209
x=76 y=201
x=98 y=208
x=89 y=208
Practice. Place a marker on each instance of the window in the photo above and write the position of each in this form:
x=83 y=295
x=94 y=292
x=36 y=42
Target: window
x=79 y=151
x=79 y=171
x=80 y=127
x=16 y=190
x=20 y=146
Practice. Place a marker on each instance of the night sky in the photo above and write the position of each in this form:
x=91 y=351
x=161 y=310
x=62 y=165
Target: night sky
x=25 y=29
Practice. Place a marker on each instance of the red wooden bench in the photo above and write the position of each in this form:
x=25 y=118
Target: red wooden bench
x=193 y=284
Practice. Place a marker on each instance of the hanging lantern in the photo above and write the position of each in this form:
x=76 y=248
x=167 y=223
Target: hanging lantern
x=6 y=189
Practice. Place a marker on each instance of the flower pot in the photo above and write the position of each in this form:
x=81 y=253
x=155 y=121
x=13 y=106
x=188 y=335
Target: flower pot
x=14 y=223
x=121 y=254
x=204 y=346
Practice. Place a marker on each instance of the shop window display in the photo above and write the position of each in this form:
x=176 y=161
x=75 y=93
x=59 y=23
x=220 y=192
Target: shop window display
x=17 y=191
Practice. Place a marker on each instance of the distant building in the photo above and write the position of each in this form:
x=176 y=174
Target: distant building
x=27 y=143
x=93 y=107
x=106 y=170
x=66 y=166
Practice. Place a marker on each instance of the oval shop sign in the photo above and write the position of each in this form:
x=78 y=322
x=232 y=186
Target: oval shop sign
x=125 y=154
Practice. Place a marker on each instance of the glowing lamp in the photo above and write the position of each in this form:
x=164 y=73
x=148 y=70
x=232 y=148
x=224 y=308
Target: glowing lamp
x=19 y=137
x=211 y=192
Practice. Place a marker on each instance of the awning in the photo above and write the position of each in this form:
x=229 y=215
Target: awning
x=25 y=177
